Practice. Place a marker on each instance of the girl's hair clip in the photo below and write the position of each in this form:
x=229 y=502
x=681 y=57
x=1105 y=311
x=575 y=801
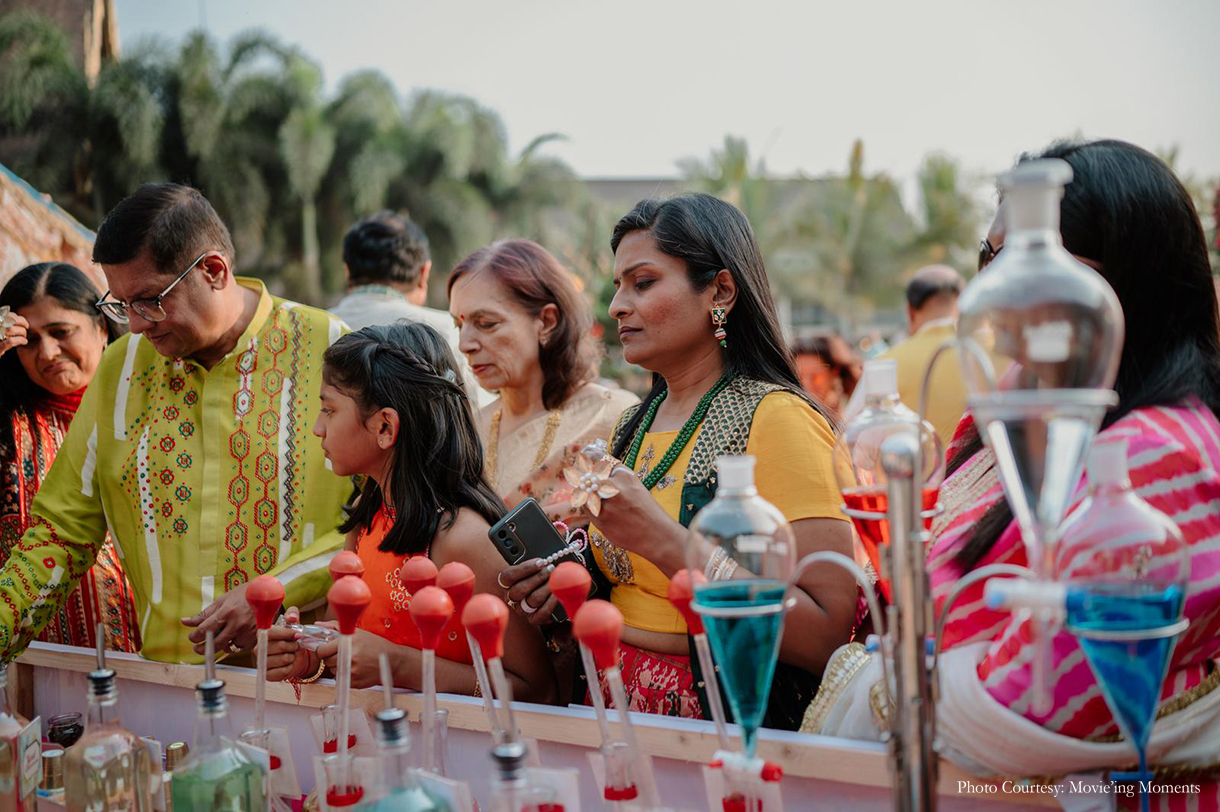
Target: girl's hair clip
x=450 y=376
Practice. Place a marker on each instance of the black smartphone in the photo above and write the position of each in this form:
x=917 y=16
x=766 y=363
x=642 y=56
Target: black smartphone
x=526 y=533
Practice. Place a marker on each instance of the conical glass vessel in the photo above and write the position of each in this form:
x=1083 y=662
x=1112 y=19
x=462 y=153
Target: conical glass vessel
x=402 y=792
x=1126 y=568
x=857 y=462
x=744 y=547
x=217 y=775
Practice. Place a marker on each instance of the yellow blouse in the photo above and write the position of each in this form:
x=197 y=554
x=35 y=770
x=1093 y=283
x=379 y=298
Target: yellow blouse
x=793 y=445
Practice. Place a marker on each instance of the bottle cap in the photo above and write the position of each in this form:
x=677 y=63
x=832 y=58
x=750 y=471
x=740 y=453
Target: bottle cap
x=431 y=608
x=681 y=592
x=486 y=617
x=265 y=596
x=349 y=597
x=1032 y=191
x=52 y=769
x=345 y=562
x=880 y=377
x=736 y=473
x=392 y=727
x=175 y=754
x=417 y=572
x=101 y=682
x=1107 y=461
x=211 y=695
x=599 y=625
x=509 y=759
x=458 y=580
x=570 y=583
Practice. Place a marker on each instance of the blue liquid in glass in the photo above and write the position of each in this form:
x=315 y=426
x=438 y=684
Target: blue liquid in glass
x=1130 y=673
x=746 y=646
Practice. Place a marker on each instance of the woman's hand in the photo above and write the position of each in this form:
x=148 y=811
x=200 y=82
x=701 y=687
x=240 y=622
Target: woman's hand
x=286 y=659
x=528 y=590
x=366 y=648
x=14 y=332
x=635 y=522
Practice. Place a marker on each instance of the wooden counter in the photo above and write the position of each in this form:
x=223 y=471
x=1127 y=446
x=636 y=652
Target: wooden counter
x=157 y=699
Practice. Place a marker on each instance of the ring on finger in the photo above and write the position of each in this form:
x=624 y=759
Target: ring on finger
x=511 y=603
x=525 y=607
x=503 y=585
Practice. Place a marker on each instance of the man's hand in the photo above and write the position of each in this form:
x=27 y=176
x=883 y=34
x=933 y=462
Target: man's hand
x=366 y=647
x=230 y=619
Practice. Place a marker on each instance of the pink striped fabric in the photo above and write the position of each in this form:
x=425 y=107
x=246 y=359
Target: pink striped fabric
x=1174 y=460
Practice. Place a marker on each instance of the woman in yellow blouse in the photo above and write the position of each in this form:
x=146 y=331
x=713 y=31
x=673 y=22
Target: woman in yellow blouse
x=694 y=307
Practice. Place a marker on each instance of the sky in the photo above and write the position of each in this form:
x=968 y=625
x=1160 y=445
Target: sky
x=637 y=86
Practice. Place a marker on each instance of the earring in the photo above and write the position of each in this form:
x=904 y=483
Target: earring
x=719 y=317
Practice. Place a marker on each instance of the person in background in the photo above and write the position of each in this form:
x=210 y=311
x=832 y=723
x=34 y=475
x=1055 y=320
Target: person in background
x=393 y=411
x=388 y=267
x=525 y=329
x=1126 y=215
x=694 y=307
x=931 y=321
x=829 y=369
x=188 y=445
x=50 y=346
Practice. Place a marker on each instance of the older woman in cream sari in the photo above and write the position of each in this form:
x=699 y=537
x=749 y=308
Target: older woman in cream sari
x=525 y=329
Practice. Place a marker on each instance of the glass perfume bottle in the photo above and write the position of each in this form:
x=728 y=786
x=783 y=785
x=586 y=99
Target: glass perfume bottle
x=402 y=790
x=19 y=776
x=217 y=776
x=1125 y=567
x=744 y=547
x=109 y=768
x=857 y=463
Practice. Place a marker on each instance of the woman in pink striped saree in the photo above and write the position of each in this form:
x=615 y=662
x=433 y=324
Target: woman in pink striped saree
x=1128 y=216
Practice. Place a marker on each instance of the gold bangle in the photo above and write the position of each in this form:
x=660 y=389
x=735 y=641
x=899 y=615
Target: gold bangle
x=315 y=677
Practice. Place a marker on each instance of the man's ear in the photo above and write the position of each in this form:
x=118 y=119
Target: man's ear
x=216 y=270
x=424 y=273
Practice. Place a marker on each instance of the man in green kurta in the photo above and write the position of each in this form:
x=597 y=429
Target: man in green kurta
x=192 y=445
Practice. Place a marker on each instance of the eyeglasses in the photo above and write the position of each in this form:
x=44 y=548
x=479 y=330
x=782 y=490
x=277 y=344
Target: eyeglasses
x=987 y=253
x=147 y=309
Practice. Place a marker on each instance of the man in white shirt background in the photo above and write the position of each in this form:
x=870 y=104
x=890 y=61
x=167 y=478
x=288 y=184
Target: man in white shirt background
x=388 y=265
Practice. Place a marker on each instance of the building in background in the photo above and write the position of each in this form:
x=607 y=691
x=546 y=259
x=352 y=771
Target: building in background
x=91 y=25
x=33 y=229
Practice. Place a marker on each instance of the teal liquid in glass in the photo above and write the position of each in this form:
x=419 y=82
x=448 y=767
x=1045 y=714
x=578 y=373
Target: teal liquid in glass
x=745 y=645
x=1130 y=673
x=409 y=799
x=223 y=781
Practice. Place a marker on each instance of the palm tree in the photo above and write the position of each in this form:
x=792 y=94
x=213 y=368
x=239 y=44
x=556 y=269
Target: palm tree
x=307 y=143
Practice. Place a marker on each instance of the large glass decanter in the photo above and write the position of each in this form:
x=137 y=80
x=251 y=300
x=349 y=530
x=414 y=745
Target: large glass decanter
x=1040 y=336
x=1125 y=567
x=744 y=547
x=108 y=769
x=402 y=792
x=217 y=776
x=857 y=462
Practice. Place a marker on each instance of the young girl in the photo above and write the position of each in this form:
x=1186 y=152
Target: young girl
x=393 y=409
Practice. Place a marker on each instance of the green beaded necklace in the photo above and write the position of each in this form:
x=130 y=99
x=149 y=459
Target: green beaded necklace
x=679 y=443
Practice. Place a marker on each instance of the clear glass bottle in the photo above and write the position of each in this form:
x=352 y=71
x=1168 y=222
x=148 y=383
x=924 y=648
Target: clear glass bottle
x=217 y=776
x=857 y=462
x=109 y=768
x=18 y=792
x=744 y=547
x=402 y=792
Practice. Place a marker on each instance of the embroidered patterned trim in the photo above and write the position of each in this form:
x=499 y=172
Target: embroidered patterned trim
x=840 y=671
x=726 y=429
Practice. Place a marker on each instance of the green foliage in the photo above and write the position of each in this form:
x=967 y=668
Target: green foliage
x=288 y=168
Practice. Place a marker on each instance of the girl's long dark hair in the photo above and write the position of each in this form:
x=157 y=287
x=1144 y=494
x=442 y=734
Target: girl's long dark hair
x=437 y=465
x=72 y=290
x=1126 y=210
x=710 y=235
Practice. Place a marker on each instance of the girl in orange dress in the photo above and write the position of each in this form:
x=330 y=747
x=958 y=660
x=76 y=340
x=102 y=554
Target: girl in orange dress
x=393 y=410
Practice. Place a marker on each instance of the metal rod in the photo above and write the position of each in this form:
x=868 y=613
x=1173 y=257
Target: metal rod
x=914 y=713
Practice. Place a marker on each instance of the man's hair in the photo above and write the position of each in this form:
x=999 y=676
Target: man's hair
x=174 y=223
x=921 y=291
x=386 y=247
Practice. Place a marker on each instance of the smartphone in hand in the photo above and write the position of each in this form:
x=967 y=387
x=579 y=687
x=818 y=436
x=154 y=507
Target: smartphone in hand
x=525 y=533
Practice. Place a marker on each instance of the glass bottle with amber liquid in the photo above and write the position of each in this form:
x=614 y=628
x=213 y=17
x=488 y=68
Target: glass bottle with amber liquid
x=109 y=768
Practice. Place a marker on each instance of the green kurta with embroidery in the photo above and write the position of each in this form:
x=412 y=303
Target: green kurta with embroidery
x=205 y=479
